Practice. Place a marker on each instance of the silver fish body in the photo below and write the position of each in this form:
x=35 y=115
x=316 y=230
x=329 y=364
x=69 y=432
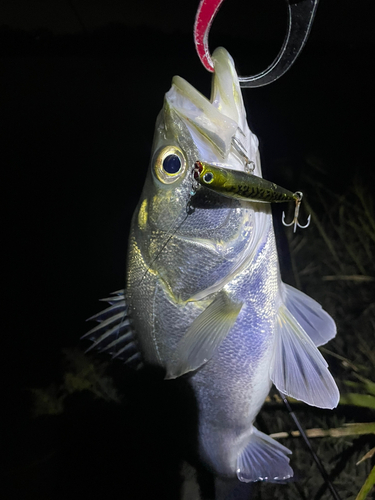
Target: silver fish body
x=204 y=290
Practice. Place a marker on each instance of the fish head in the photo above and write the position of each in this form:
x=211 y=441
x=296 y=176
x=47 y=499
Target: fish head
x=172 y=216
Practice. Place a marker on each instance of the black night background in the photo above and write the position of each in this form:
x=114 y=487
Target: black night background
x=81 y=84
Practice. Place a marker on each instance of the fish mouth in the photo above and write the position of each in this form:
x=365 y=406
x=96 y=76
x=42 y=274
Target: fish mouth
x=218 y=125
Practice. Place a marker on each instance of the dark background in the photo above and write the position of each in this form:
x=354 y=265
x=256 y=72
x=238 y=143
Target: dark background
x=81 y=83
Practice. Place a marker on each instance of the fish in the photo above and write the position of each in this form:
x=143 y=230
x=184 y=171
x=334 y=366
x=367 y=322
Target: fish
x=204 y=298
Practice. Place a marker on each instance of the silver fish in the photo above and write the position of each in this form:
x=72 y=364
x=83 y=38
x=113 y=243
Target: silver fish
x=204 y=291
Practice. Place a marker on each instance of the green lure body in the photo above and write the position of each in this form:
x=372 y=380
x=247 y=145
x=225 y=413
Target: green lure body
x=241 y=185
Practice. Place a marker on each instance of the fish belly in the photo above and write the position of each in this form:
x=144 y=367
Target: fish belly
x=230 y=391
x=231 y=388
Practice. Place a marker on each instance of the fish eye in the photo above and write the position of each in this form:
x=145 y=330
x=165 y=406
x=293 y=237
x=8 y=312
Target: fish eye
x=208 y=177
x=170 y=164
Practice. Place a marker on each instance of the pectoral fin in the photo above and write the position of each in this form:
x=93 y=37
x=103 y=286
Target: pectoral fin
x=204 y=336
x=298 y=369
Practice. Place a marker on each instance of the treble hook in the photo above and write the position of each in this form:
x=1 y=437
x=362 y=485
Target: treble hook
x=300 y=19
x=295 y=222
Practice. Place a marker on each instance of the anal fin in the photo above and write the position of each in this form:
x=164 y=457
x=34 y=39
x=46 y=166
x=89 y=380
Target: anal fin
x=263 y=459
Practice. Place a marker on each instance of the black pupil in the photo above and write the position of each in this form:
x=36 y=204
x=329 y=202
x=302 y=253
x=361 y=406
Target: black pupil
x=208 y=177
x=172 y=164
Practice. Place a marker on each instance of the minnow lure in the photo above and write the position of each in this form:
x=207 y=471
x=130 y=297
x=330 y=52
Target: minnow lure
x=246 y=186
x=241 y=185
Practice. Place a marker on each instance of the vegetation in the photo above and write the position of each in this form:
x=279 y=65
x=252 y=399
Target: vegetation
x=333 y=261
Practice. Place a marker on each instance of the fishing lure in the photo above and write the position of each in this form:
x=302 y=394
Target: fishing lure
x=241 y=185
x=246 y=186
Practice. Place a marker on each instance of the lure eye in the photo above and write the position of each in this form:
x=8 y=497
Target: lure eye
x=208 y=177
x=170 y=164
